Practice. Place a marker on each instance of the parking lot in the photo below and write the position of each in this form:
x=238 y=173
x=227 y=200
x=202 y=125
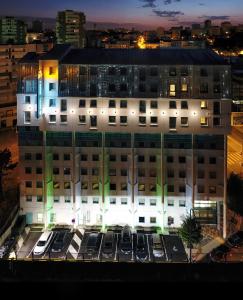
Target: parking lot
x=88 y=245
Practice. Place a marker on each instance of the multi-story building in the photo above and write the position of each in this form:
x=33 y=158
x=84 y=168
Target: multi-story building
x=9 y=57
x=70 y=28
x=12 y=31
x=123 y=136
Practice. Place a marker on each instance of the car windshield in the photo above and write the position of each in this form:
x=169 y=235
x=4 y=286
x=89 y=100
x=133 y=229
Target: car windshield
x=108 y=244
x=41 y=243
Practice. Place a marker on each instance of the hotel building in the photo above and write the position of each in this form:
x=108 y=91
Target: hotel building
x=123 y=136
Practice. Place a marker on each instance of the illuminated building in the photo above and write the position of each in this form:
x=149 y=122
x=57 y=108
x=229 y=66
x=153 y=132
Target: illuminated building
x=123 y=136
x=70 y=28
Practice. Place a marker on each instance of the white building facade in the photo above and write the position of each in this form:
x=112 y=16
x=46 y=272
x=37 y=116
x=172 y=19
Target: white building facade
x=115 y=137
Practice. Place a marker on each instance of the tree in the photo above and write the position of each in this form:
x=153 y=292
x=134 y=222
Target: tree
x=234 y=193
x=5 y=165
x=190 y=231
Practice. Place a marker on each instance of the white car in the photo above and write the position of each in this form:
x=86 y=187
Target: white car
x=157 y=246
x=43 y=242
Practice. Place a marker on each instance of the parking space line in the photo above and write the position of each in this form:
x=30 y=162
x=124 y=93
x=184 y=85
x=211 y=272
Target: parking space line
x=148 y=247
x=132 y=249
x=100 y=246
x=116 y=246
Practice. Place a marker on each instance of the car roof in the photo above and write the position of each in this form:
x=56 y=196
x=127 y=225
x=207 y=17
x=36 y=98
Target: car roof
x=45 y=235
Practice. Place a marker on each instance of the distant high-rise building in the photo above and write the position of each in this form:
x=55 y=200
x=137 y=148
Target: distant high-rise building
x=226 y=27
x=37 y=26
x=12 y=31
x=70 y=28
x=207 y=24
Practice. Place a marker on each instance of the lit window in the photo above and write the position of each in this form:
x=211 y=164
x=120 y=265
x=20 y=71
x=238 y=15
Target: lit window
x=95 y=186
x=27 y=117
x=141 y=187
x=56 y=185
x=52 y=118
x=204 y=121
x=84 y=185
x=39 y=217
x=172 y=90
x=204 y=104
x=184 y=87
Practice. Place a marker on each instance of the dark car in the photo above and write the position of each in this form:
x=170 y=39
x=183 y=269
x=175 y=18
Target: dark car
x=236 y=239
x=126 y=240
x=108 y=244
x=92 y=244
x=5 y=249
x=59 y=241
x=141 y=251
x=219 y=254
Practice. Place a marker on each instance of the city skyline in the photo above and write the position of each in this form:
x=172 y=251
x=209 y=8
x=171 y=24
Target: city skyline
x=165 y=13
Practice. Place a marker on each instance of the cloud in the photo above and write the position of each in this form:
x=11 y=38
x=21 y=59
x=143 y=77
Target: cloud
x=148 y=3
x=167 y=2
x=212 y=18
x=167 y=13
x=201 y=4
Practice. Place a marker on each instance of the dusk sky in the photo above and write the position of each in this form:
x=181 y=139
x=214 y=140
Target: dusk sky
x=147 y=12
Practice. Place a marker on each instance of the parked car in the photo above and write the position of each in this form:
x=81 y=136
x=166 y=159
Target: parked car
x=108 y=244
x=7 y=246
x=235 y=239
x=126 y=240
x=59 y=241
x=219 y=254
x=158 y=251
x=43 y=242
x=92 y=244
x=141 y=251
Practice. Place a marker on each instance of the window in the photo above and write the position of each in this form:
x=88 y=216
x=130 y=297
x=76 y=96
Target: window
x=55 y=171
x=200 y=189
x=28 y=184
x=172 y=91
x=84 y=185
x=140 y=158
x=184 y=71
x=84 y=157
x=184 y=105
x=142 y=121
x=27 y=100
x=112 y=157
x=123 y=186
x=112 y=172
x=153 y=104
x=170 y=188
x=39 y=217
x=112 y=104
x=182 y=189
x=170 y=173
x=51 y=86
x=67 y=199
x=55 y=156
x=123 y=104
x=200 y=174
x=93 y=103
x=82 y=119
x=154 y=71
x=216 y=88
x=112 y=87
x=56 y=199
x=52 y=103
x=204 y=104
x=95 y=186
x=212 y=175
x=67 y=185
x=141 y=172
x=152 y=158
x=112 y=119
x=124 y=201
x=28 y=198
x=93 y=121
x=184 y=88
x=95 y=200
x=142 y=106
x=56 y=185
x=82 y=103
x=154 y=120
x=212 y=160
x=172 y=123
x=182 y=203
x=152 y=220
x=204 y=121
x=52 y=118
x=63 y=118
x=153 y=202
x=38 y=170
x=95 y=157
x=216 y=108
x=204 y=88
x=123 y=158
x=123 y=71
x=39 y=198
x=123 y=172
x=27 y=117
x=182 y=159
x=28 y=170
x=123 y=120
x=203 y=72
x=172 y=104
x=152 y=187
x=172 y=71
x=152 y=172
x=212 y=189
x=38 y=156
x=113 y=186
x=170 y=221
x=141 y=187
x=51 y=70
x=112 y=200
x=84 y=171
x=184 y=121
x=170 y=202
x=216 y=121
x=66 y=171
x=95 y=172
x=66 y=156
x=27 y=156
x=84 y=200
x=141 y=219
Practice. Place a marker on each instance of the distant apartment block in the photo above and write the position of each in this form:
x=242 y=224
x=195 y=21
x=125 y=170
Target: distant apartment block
x=12 y=31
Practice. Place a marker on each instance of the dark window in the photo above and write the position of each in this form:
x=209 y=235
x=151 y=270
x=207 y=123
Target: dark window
x=216 y=121
x=184 y=71
x=112 y=87
x=84 y=157
x=154 y=120
x=212 y=189
x=141 y=172
x=216 y=108
x=170 y=173
x=112 y=71
x=113 y=186
x=216 y=88
x=212 y=160
x=66 y=171
x=123 y=172
x=93 y=103
x=141 y=219
x=63 y=105
x=123 y=87
x=204 y=88
x=154 y=71
x=123 y=71
x=112 y=119
x=84 y=171
x=172 y=123
x=142 y=106
x=203 y=72
x=123 y=104
x=28 y=170
x=93 y=121
x=66 y=156
x=182 y=189
x=55 y=156
x=170 y=188
x=200 y=189
x=153 y=88
x=112 y=157
x=200 y=160
x=212 y=175
x=153 y=104
x=182 y=174
x=123 y=119
x=39 y=185
x=200 y=174
x=140 y=158
x=172 y=71
x=184 y=105
x=142 y=74
x=182 y=159
x=38 y=156
x=172 y=104
x=123 y=157
x=27 y=156
x=112 y=172
x=55 y=171
x=95 y=157
x=28 y=184
x=142 y=88
x=82 y=103
x=142 y=120
x=170 y=159
x=152 y=158
x=112 y=103
x=93 y=71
